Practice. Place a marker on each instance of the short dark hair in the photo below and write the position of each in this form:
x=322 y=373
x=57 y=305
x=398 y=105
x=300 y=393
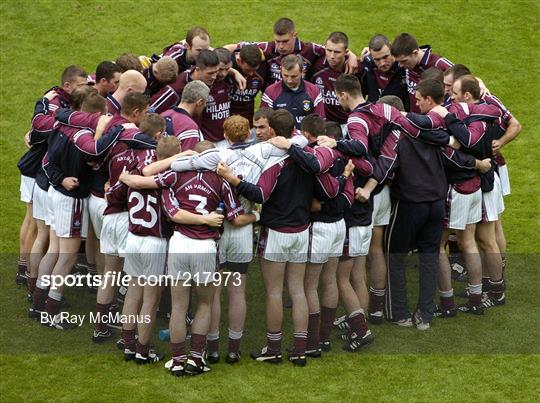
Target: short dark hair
x=404 y=45
x=223 y=55
x=457 y=70
x=207 y=58
x=314 y=125
x=432 y=72
x=290 y=61
x=203 y=146
x=94 y=102
x=471 y=85
x=70 y=74
x=167 y=147
x=348 y=83
x=251 y=54
x=431 y=88
x=262 y=113
x=106 y=70
x=392 y=100
x=284 y=26
x=333 y=129
x=152 y=123
x=133 y=101
x=196 y=31
x=128 y=61
x=378 y=42
x=339 y=37
x=78 y=95
x=282 y=122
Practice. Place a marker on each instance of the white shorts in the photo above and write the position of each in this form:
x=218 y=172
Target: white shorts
x=381 y=207
x=192 y=259
x=492 y=202
x=357 y=241
x=69 y=215
x=283 y=246
x=326 y=240
x=236 y=244
x=145 y=256
x=464 y=209
x=96 y=208
x=40 y=205
x=27 y=188
x=505 y=179
x=114 y=233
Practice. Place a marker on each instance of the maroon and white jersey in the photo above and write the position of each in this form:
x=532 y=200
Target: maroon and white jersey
x=178 y=52
x=180 y=124
x=118 y=162
x=476 y=129
x=301 y=102
x=503 y=121
x=324 y=77
x=218 y=108
x=147 y=216
x=198 y=192
x=308 y=50
x=113 y=106
x=43 y=122
x=243 y=101
x=169 y=95
x=412 y=77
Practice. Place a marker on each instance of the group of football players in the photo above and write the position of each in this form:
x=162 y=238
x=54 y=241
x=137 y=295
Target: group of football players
x=352 y=163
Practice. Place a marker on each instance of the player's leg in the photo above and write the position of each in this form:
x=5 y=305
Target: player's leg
x=39 y=248
x=311 y=284
x=27 y=237
x=447 y=306
x=467 y=243
x=147 y=321
x=487 y=243
x=359 y=242
x=236 y=288
x=131 y=308
x=501 y=240
x=213 y=333
x=377 y=263
x=295 y=274
x=329 y=300
x=45 y=268
x=106 y=292
x=180 y=292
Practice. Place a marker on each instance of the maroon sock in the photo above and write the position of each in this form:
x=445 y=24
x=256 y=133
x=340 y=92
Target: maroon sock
x=198 y=341
x=496 y=289
x=376 y=299
x=213 y=346
x=299 y=343
x=313 y=331
x=31 y=285
x=38 y=298
x=358 y=323
x=178 y=351
x=21 y=266
x=448 y=303
x=129 y=339
x=142 y=348
x=327 y=320
x=234 y=345
x=475 y=299
x=52 y=306
x=485 y=284
x=101 y=310
x=273 y=341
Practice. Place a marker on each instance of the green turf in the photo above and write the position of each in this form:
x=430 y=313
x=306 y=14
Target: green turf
x=494 y=358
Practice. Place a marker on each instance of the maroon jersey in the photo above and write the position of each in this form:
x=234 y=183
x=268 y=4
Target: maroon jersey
x=180 y=124
x=476 y=129
x=178 y=52
x=169 y=95
x=42 y=122
x=324 y=77
x=198 y=192
x=146 y=213
x=113 y=106
x=304 y=101
x=503 y=121
x=308 y=50
x=218 y=108
x=412 y=77
x=243 y=101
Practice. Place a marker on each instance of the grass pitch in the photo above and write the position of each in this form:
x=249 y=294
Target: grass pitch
x=494 y=358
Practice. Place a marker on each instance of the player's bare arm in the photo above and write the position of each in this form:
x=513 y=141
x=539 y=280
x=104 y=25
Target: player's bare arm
x=512 y=131
x=226 y=173
x=138 y=181
x=162 y=165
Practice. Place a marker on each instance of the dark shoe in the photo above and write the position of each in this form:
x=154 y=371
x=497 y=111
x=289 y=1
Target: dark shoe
x=265 y=356
x=471 y=309
x=325 y=346
x=441 y=312
x=356 y=342
x=232 y=358
x=298 y=360
x=101 y=336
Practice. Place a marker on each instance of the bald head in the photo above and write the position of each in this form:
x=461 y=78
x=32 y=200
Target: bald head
x=132 y=81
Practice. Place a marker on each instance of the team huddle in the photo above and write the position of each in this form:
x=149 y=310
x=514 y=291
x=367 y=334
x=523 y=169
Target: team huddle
x=165 y=168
